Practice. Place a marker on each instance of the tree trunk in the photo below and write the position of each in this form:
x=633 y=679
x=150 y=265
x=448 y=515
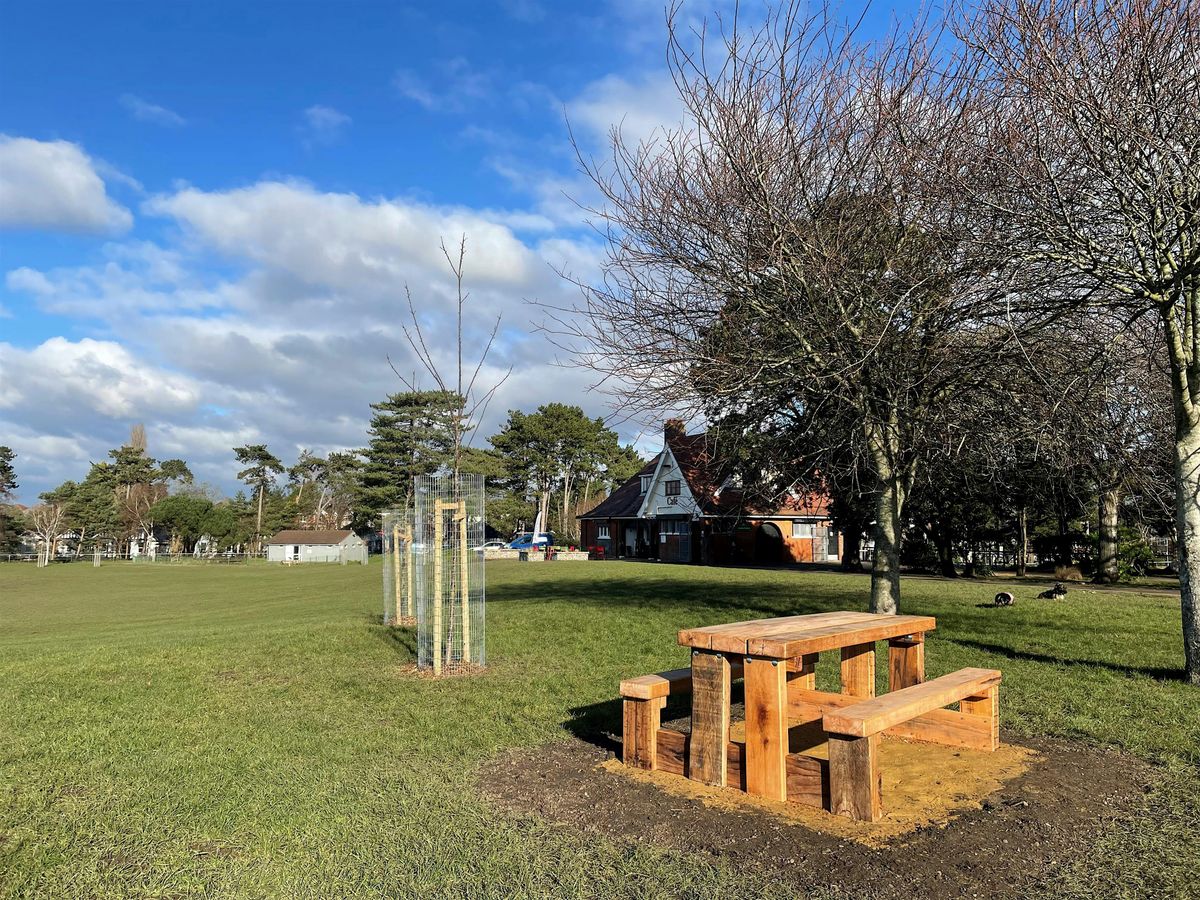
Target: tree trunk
x=885 y=569
x=262 y=489
x=1022 y=541
x=1187 y=520
x=945 y=551
x=852 y=549
x=1106 y=569
x=1066 y=549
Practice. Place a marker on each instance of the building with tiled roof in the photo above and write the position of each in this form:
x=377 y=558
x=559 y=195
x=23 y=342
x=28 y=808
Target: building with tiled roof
x=679 y=508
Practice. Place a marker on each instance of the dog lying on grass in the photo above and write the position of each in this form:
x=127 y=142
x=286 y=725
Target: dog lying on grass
x=1055 y=593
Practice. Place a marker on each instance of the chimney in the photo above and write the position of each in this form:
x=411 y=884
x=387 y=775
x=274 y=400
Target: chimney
x=673 y=428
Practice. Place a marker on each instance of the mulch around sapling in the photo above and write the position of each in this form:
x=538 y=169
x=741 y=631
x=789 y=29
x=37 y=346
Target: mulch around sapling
x=1048 y=798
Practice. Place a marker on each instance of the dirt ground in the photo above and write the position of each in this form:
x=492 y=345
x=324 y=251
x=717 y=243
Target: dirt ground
x=1042 y=800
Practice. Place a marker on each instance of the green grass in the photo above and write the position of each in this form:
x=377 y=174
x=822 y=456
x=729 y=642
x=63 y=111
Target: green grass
x=246 y=731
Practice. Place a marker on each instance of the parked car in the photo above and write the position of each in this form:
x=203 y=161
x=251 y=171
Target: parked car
x=491 y=545
x=527 y=541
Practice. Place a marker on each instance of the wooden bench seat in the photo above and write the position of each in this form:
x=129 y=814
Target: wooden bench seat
x=854 y=730
x=643 y=699
x=880 y=713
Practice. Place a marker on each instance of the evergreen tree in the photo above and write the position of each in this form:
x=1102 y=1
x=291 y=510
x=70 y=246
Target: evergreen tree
x=412 y=433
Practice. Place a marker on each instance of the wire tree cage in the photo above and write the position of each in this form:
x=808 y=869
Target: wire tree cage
x=447 y=575
x=396 y=534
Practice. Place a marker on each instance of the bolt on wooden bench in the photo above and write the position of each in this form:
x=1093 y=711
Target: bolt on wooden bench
x=776 y=658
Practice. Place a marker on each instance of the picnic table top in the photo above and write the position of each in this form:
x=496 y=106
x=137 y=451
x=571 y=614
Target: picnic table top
x=788 y=637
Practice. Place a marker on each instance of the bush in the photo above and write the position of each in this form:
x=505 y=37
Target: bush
x=1068 y=573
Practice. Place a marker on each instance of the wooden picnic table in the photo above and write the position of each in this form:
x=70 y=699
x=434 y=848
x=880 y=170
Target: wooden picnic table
x=772 y=653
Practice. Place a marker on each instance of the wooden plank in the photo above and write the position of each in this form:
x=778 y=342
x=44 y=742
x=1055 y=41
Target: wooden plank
x=766 y=728
x=858 y=670
x=710 y=717
x=854 y=779
x=906 y=661
x=802 y=672
x=702 y=637
x=409 y=600
x=985 y=708
x=873 y=716
x=639 y=747
x=837 y=636
x=938 y=726
x=953 y=729
x=807 y=776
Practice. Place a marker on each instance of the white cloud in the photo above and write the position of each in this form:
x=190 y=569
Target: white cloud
x=54 y=185
x=341 y=240
x=640 y=108
x=64 y=377
x=450 y=86
x=324 y=124
x=145 y=111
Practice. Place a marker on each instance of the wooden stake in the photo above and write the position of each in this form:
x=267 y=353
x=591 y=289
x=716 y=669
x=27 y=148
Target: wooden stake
x=437 y=587
x=396 y=589
x=409 y=600
x=463 y=575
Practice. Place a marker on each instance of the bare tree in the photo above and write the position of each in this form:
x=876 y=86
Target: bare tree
x=792 y=250
x=49 y=522
x=474 y=401
x=1091 y=157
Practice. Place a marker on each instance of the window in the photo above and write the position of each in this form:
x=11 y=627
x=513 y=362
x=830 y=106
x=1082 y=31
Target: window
x=672 y=488
x=646 y=483
x=602 y=532
x=802 y=529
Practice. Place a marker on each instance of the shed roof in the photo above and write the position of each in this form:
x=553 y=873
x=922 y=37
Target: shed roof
x=310 y=536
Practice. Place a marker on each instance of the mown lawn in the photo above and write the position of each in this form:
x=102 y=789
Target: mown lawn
x=179 y=731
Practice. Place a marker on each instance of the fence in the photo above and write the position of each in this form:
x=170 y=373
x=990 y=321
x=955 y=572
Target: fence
x=447 y=575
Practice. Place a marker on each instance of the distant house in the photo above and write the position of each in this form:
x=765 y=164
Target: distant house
x=678 y=509
x=296 y=545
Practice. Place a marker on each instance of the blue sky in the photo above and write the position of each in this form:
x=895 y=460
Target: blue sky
x=210 y=210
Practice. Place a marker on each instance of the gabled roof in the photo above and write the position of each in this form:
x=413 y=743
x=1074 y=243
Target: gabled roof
x=304 y=536
x=624 y=502
x=700 y=464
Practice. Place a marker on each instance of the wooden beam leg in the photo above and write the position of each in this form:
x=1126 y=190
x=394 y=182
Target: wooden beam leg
x=802 y=672
x=766 y=727
x=986 y=705
x=906 y=661
x=858 y=670
x=710 y=718
x=639 y=745
x=854 y=780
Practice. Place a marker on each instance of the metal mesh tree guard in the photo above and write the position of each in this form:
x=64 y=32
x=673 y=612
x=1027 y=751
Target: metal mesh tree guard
x=398 y=606
x=448 y=587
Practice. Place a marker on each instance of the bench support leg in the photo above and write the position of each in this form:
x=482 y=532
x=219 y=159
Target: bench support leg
x=854 y=780
x=708 y=750
x=858 y=670
x=986 y=705
x=766 y=727
x=802 y=672
x=639 y=743
x=906 y=661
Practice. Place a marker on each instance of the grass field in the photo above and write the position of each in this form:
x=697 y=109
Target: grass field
x=181 y=731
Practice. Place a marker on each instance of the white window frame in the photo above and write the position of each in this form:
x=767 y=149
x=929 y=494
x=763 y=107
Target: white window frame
x=602 y=533
x=803 y=530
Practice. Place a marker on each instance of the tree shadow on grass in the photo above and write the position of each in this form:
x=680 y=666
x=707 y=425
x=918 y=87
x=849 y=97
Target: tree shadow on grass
x=403 y=640
x=1160 y=673
x=665 y=593
x=600 y=724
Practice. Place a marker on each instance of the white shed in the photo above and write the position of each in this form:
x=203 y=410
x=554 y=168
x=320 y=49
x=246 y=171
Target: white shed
x=298 y=545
